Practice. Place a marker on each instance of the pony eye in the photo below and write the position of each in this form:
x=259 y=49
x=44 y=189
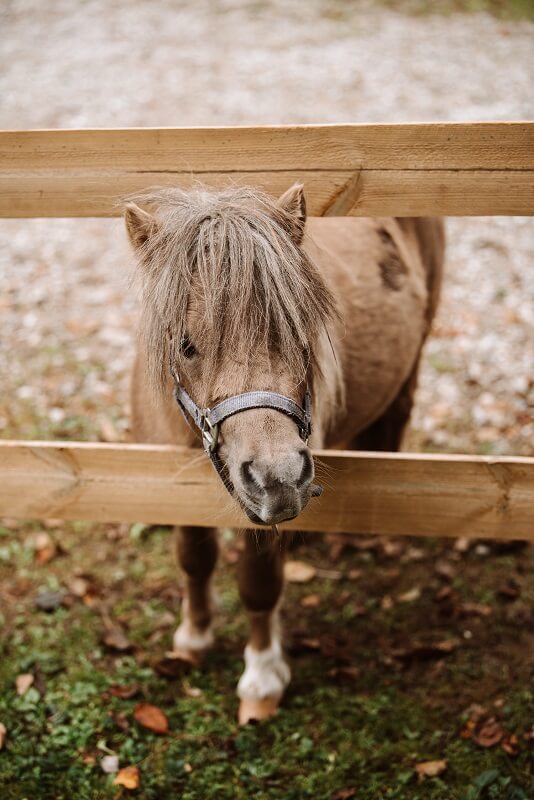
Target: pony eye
x=187 y=348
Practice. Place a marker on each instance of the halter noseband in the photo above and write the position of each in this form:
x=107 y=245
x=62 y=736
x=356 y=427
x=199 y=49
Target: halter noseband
x=208 y=420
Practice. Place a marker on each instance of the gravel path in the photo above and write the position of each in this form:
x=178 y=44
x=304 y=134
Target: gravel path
x=66 y=313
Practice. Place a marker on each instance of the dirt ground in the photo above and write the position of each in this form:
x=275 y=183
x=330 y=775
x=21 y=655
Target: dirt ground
x=382 y=683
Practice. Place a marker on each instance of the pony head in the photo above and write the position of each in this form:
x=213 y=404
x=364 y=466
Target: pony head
x=231 y=303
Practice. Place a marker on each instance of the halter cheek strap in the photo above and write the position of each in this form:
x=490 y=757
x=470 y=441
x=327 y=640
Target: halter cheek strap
x=208 y=420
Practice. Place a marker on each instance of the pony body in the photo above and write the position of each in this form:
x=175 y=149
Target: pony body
x=240 y=293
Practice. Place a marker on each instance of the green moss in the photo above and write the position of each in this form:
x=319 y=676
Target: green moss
x=331 y=734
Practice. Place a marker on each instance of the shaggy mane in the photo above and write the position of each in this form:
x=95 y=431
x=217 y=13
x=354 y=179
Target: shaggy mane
x=258 y=289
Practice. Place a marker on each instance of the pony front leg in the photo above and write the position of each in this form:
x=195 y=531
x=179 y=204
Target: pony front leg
x=260 y=578
x=197 y=555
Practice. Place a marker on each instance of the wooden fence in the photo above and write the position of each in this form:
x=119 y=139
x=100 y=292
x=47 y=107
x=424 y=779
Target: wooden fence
x=364 y=170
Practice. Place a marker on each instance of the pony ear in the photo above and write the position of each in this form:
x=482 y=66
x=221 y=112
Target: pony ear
x=139 y=224
x=293 y=203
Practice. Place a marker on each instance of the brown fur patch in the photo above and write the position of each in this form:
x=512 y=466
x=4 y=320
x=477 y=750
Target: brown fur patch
x=391 y=265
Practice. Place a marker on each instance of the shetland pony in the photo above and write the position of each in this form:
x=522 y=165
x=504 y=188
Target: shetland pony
x=240 y=293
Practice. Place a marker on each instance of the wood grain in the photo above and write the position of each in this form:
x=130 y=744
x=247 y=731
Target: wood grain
x=404 y=169
x=397 y=494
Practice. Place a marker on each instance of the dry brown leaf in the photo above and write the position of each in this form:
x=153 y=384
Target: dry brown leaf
x=445 y=569
x=23 y=682
x=510 y=744
x=78 y=587
x=476 y=609
x=175 y=662
x=344 y=794
x=430 y=769
x=125 y=692
x=151 y=717
x=410 y=596
x=3 y=735
x=116 y=639
x=311 y=601
x=386 y=604
x=299 y=571
x=45 y=547
x=422 y=650
x=192 y=691
x=128 y=777
x=489 y=734
x=350 y=673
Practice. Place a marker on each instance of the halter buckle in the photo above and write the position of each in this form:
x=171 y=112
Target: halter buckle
x=210 y=433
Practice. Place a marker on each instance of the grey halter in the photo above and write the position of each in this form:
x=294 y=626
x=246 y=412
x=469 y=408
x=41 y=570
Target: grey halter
x=208 y=420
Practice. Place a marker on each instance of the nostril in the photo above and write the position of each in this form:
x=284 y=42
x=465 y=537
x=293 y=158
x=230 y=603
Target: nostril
x=247 y=475
x=307 y=468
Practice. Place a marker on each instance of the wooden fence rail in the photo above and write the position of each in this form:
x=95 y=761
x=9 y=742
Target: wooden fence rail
x=441 y=495
x=363 y=170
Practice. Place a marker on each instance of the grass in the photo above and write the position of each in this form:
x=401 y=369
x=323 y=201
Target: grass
x=334 y=734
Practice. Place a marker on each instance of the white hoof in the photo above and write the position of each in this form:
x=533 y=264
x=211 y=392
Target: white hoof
x=266 y=673
x=188 y=638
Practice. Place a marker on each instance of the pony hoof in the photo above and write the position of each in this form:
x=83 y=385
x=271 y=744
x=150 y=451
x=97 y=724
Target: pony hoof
x=257 y=710
x=191 y=643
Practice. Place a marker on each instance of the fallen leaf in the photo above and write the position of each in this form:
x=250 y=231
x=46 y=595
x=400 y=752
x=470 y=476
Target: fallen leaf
x=128 y=777
x=349 y=674
x=445 y=593
x=414 y=554
x=23 y=682
x=510 y=744
x=445 y=570
x=386 y=604
x=3 y=735
x=310 y=644
x=121 y=720
x=299 y=572
x=192 y=691
x=422 y=650
x=45 y=548
x=468 y=729
x=430 y=769
x=344 y=794
x=489 y=734
x=311 y=601
x=510 y=590
x=477 y=609
x=116 y=639
x=369 y=543
x=125 y=692
x=354 y=574
x=78 y=587
x=174 y=663
x=409 y=597
x=151 y=717
x=462 y=545
x=110 y=764
x=330 y=574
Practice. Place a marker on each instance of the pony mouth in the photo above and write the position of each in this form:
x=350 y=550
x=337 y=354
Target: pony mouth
x=253 y=517
x=314 y=491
